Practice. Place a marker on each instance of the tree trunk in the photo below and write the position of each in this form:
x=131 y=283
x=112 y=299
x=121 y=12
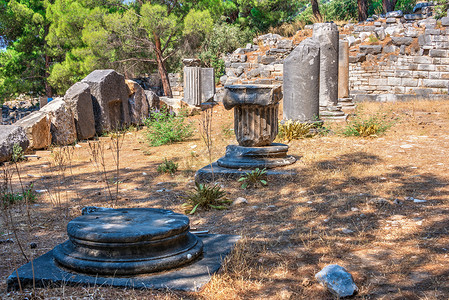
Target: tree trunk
x=388 y=5
x=161 y=66
x=362 y=9
x=48 y=90
x=316 y=10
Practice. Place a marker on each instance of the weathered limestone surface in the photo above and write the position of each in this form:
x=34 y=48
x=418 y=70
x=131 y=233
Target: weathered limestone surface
x=207 y=84
x=192 y=85
x=327 y=35
x=37 y=128
x=137 y=102
x=63 y=130
x=301 y=82
x=343 y=69
x=109 y=99
x=10 y=135
x=79 y=100
x=255 y=112
x=152 y=100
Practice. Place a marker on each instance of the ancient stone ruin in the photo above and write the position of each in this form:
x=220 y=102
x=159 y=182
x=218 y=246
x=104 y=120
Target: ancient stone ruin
x=113 y=246
x=255 y=125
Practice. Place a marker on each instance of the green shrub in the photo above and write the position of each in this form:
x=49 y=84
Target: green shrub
x=205 y=196
x=8 y=198
x=166 y=128
x=253 y=178
x=168 y=166
x=370 y=126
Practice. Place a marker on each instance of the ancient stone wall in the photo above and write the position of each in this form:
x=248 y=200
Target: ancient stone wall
x=410 y=61
x=394 y=58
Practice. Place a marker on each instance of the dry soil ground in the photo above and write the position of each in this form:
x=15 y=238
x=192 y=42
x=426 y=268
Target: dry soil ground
x=350 y=204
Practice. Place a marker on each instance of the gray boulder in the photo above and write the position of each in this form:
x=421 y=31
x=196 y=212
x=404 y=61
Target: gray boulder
x=109 y=99
x=37 y=128
x=63 y=130
x=10 y=135
x=337 y=280
x=152 y=100
x=370 y=49
x=395 y=14
x=137 y=102
x=401 y=40
x=79 y=100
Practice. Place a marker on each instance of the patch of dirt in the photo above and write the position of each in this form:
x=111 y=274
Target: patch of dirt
x=352 y=203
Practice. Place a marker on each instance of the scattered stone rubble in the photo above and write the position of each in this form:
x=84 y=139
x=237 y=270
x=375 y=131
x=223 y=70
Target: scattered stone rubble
x=103 y=101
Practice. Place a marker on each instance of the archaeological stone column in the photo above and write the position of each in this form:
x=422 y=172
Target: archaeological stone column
x=327 y=35
x=344 y=100
x=343 y=69
x=301 y=82
x=207 y=84
x=192 y=81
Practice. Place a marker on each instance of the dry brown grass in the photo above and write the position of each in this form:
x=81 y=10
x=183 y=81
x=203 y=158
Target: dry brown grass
x=398 y=249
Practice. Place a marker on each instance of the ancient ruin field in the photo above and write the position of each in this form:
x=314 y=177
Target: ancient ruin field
x=378 y=206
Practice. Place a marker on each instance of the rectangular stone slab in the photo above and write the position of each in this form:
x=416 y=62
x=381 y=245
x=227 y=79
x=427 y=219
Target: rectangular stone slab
x=189 y=278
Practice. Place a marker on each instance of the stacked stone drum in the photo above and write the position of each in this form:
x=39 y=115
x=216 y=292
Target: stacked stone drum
x=127 y=242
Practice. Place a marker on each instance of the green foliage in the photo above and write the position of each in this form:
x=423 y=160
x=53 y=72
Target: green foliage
x=253 y=178
x=441 y=8
x=223 y=38
x=17 y=153
x=9 y=199
x=370 y=126
x=372 y=39
x=22 y=64
x=168 y=166
x=167 y=128
x=205 y=196
x=336 y=10
x=295 y=130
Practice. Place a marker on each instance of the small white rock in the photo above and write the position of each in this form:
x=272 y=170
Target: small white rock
x=239 y=201
x=347 y=230
x=354 y=209
x=419 y=201
x=144 y=173
x=41 y=191
x=189 y=256
x=78 y=146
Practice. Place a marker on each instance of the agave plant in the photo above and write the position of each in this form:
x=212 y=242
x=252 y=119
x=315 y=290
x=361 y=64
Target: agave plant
x=205 y=196
x=253 y=178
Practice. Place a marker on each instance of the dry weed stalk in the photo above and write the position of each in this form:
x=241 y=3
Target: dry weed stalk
x=116 y=143
x=6 y=192
x=61 y=158
x=206 y=133
x=97 y=154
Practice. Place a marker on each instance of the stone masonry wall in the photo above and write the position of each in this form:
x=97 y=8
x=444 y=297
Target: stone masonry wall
x=392 y=58
x=410 y=61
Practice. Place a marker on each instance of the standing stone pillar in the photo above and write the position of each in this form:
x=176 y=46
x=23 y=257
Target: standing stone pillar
x=192 y=81
x=207 y=84
x=343 y=69
x=327 y=35
x=301 y=82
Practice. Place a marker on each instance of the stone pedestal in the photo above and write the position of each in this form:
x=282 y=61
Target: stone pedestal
x=256 y=126
x=109 y=247
x=301 y=82
x=128 y=241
